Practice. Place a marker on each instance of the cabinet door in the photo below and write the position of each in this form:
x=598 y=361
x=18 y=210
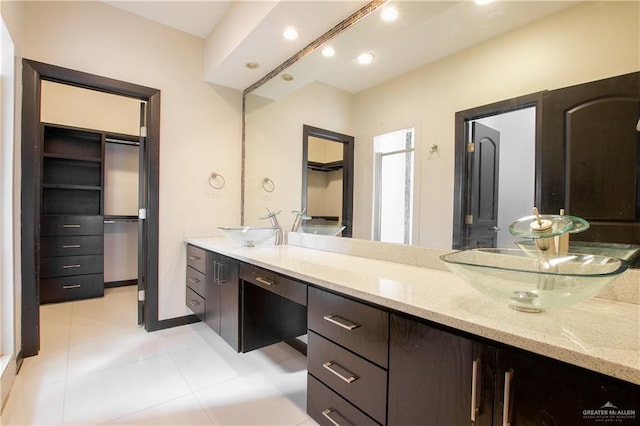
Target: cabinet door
x=228 y=281
x=535 y=391
x=212 y=292
x=438 y=378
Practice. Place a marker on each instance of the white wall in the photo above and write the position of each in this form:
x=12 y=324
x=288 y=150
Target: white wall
x=200 y=123
x=603 y=42
x=274 y=146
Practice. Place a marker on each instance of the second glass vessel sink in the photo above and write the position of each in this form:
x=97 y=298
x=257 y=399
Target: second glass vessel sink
x=330 y=230
x=513 y=277
x=248 y=236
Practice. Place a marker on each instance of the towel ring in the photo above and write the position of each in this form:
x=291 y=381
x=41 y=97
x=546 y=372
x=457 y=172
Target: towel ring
x=268 y=185
x=216 y=177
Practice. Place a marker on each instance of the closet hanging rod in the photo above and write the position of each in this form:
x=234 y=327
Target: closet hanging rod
x=121 y=141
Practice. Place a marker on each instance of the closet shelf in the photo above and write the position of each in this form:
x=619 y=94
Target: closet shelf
x=72 y=157
x=109 y=219
x=64 y=186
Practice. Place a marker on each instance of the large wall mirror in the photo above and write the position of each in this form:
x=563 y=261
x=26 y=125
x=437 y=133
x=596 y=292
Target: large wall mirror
x=434 y=61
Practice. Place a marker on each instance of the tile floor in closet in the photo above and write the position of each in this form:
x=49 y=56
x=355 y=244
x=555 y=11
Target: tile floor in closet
x=96 y=366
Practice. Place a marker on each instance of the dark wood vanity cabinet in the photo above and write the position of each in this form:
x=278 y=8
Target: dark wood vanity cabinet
x=196 y=280
x=71 y=223
x=437 y=377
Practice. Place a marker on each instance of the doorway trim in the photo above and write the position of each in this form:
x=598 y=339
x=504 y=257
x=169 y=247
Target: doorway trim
x=461 y=171
x=33 y=73
x=347 y=176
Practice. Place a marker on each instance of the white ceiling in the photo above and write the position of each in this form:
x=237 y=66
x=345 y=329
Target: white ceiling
x=239 y=31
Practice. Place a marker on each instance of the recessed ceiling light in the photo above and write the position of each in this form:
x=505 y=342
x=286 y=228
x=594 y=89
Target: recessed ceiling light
x=328 y=51
x=286 y=77
x=252 y=65
x=365 y=58
x=290 y=33
x=483 y=2
x=389 y=14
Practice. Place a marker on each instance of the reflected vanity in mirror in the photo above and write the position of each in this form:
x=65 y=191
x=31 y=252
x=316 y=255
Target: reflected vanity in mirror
x=438 y=59
x=327 y=180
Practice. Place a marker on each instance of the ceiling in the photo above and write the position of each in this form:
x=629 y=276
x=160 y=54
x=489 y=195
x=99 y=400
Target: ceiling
x=236 y=32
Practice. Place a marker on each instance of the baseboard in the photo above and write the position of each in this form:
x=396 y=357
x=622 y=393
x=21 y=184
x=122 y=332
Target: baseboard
x=123 y=283
x=171 y=322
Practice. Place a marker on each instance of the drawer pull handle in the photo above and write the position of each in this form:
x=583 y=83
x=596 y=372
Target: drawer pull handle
x=194 y=258
x=506 y=409
x=69 y=225
x=265 y=281
x=347 y=376
x=67 y=287
x=71 y=246
x=70 y=266
x=329 y=412
x=341 y=322
x=194 y=280
x=193 y=303
x=474 y=389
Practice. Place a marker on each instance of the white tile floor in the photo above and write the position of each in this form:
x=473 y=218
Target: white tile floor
x=96 y=366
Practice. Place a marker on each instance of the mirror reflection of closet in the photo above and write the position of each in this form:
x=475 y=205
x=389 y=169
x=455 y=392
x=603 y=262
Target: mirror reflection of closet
x=118 y=118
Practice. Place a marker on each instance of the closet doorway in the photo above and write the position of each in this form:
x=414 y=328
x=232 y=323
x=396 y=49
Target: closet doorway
x=132 y=155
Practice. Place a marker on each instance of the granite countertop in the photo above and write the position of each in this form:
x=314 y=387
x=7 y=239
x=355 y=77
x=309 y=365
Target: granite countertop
x=596 y=334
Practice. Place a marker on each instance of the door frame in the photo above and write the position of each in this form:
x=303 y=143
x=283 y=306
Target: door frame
x=33 y=73
x=461 y=171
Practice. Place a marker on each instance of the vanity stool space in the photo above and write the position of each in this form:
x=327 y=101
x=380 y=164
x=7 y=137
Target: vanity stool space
x=369 y=364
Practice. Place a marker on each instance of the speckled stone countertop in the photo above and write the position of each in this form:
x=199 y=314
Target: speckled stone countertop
x=597 y=334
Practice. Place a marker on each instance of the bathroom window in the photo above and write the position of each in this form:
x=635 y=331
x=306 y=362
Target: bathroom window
x=394 y=182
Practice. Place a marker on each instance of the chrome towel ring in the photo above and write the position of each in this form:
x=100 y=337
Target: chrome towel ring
x=216 y=180
x=268 y=185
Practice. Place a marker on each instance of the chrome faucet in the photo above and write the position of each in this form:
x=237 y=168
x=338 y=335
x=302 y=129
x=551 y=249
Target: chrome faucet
x=272 y=216
x=300 y=216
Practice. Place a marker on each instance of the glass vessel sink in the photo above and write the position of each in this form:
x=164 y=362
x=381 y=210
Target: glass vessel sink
x=330 y=230
x=248 y=236
x=625 y=252
x=526 y=284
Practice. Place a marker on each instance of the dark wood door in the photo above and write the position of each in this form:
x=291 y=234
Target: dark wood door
x=590 y=156
x=483 y=158
x=544 y=392
x=212 y=293
x=438 y=378
x=228 y=281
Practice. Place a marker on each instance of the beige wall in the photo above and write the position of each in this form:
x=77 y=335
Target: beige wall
x=603 y=42
x=274 y=146
x=200 y=123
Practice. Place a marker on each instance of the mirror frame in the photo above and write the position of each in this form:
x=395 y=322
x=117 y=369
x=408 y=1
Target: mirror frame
x=347 y=174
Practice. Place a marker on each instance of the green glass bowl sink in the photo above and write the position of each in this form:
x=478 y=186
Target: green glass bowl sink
x=524 y=283
x=331 y=230
x=248 y=236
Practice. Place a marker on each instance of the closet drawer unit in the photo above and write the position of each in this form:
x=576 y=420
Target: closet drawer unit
x=328 y=408
x=357 y=380
x=288 y=288
x=196 y=281
x=71 y=246
x=195 y=302
x=71 y=225
x=360 y=328
x=76 y=287
x=197 y=258
x=71 y=265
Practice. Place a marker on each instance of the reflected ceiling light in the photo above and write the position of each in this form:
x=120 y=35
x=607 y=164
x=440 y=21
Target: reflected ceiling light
x=286 y=77
x=328 y=52
x=290 y=33
x=365 y=58
x=252 y=65
x=389 y=14
x=483 y=2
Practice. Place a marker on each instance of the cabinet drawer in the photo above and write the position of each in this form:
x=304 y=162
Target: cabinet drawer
x=286 y=287
x=71 y=246
x=328 y=408
x=357 y=380
x=197 y=258
x=196 y=281
x=71 y=288
x=71 y=225
x=195 y=302
x=70 y=265
x=361 y=328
